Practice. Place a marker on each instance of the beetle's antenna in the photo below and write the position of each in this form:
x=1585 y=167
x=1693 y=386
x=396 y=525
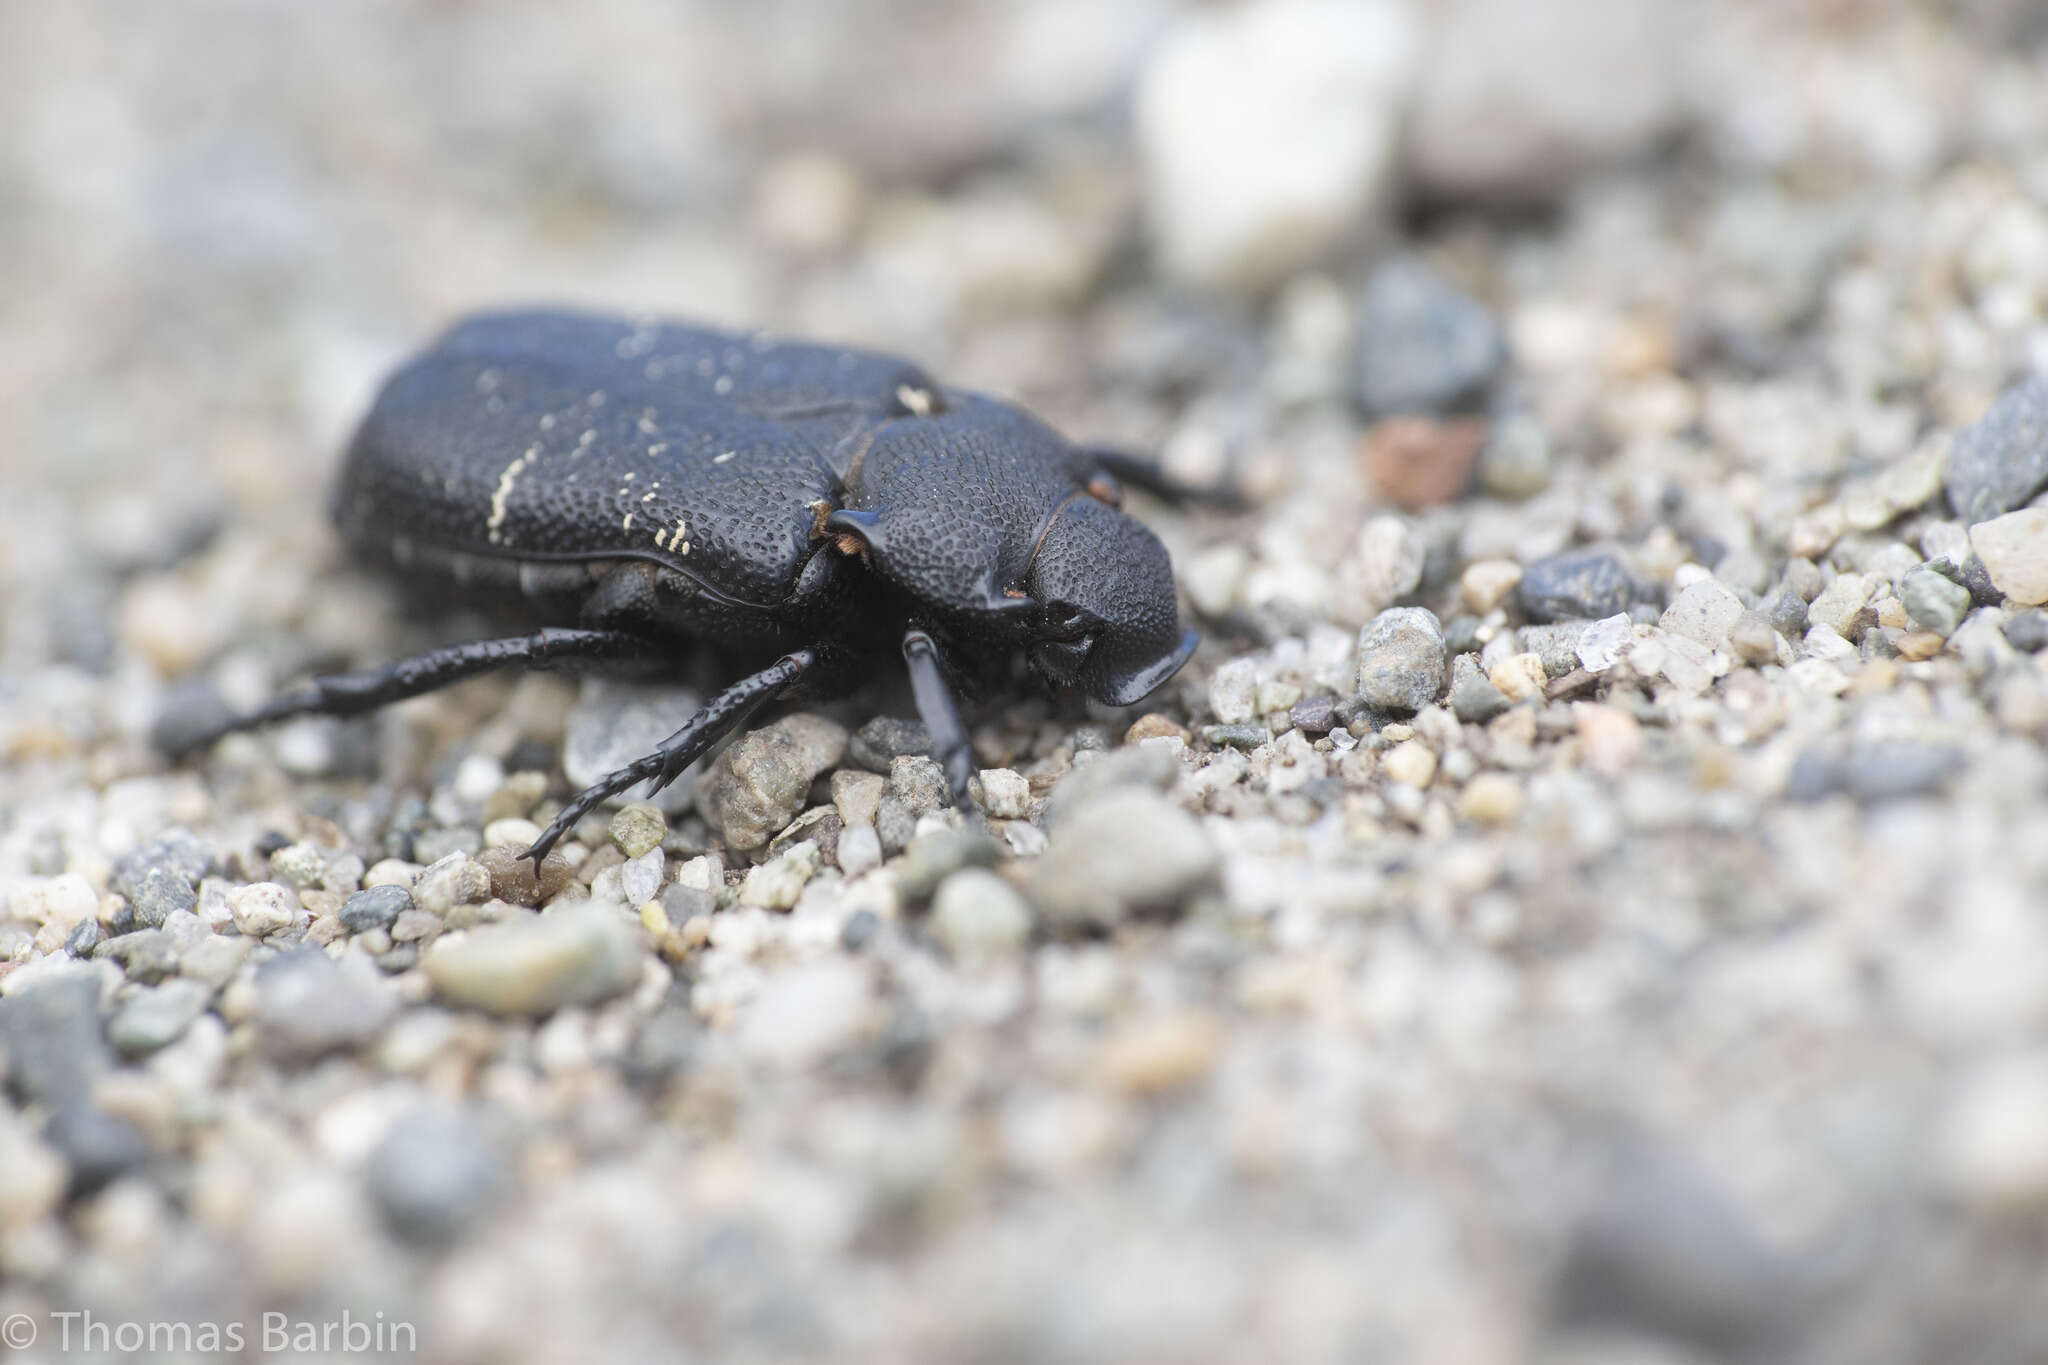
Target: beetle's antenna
x=940 y=713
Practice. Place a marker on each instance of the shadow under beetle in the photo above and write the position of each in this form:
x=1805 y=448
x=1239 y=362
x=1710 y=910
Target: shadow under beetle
x=643 y=485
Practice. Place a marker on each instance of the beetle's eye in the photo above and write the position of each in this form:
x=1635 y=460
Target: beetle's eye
x=1103 y=487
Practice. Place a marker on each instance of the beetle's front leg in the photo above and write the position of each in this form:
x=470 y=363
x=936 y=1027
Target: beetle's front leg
x=1140 y=471
x=725 y=713
x=941 y=715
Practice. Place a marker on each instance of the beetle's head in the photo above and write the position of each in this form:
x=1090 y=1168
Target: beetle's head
x=996 y=529
x=1106 y=618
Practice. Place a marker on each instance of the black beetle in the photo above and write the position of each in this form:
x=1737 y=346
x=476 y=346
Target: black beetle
x=644 y=484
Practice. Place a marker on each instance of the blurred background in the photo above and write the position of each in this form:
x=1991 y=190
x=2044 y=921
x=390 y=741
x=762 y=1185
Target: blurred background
x=1657 y=272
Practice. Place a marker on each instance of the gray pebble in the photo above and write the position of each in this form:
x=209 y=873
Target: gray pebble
x=758 y=785
x=1663 y=1251
x=859 y=930
x=182 y=852
x=374 y=908
x=159 y=891
x=977 y=915
x=1515 y=461
x=1133 y=766
x=1236 y=736
x=1461 y=635
x=1423 y=345
x=50 y=1036
x=1401 y=659
x=1584 y=583
x=681 y=902
x=884 y=739
x=299 y=866
x=2027 y=631
x=1873 y=772
x=1934 y=601
x=415 y=926
x=307 y=1005
x=146 y=955
x=1556 y=645
x=613 y=723
x=434 y=1174
x=1474 y=698
x=156 y=1018
x=1999 y=462
x=84 y=938
x=1126 y=851
x=572 y=955
x=895 y=826
x=1786 y=611
x=99 y=1147
x=215 y=960
x=938 y=854
x=454 y=880
x=918 y=782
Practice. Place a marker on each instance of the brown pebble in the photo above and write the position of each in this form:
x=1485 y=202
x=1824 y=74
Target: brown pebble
x=1420 y=462
x=513 y=879
x=1154 y=726
x=1157 y=1055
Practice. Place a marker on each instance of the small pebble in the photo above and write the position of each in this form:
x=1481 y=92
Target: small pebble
x=978 y=916
x=1231 y=691
x=1119 y=853
x=638 y=829
x=1936 y=602
x=757 y=786
x=886 y=738
x=1519 y=677
x=1704 y=613
x=2027 y=631
x=1161 y=1054
x=160 y=891
x=455 y=880
x=2014 y=551
x=1486 y=583
x=299 y=865
x=307 y=1005
x=1411 y=762
x=1401 y=659
x=919 y=783
x=1491 y=799
x=1424 y=346
x=513 y=832
x=1313 y=715
x=434 y=1173
x=374 y=907
x=1155 y=726
x=155 y=1018
x=1004 y=794
x=572 y=955
x=263 y=908
x=1584 y=584
x=2001 y=460
x=777 y=883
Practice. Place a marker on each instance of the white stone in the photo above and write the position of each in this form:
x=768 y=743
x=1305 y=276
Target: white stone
x=263 y=908
x=1704 y=613
x=2014 y=549
x=1266 y=133
x=1231 y=691
x=1005 y=794
x=1601 y=645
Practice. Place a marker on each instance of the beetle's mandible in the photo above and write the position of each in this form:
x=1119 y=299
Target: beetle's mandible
x=642 y=485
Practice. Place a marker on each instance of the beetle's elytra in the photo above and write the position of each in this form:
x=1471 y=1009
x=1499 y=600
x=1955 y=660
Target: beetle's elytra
x=643 y=485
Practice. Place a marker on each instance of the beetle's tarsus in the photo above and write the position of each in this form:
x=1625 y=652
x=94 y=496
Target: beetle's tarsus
x=951 y=749
x=719 y=718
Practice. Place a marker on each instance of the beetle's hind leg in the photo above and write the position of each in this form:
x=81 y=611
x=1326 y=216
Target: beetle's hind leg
x=725 y=713
x=941 y=715
x=351 y=694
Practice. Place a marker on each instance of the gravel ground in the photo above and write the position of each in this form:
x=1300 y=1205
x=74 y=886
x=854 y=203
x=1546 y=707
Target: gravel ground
x=1586 y=901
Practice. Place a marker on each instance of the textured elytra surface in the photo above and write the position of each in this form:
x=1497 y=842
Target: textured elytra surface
x=553 y=434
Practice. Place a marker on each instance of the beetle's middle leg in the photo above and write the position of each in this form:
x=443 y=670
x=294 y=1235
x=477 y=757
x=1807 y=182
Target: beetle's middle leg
x=726 y=712
x=941 y=715
x=351 y=694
